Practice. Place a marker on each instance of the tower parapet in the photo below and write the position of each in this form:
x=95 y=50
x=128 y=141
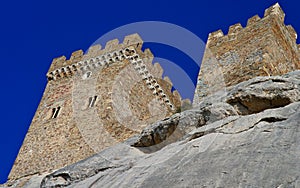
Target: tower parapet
x=274 y=13
x=266 y=46
x=111 y=52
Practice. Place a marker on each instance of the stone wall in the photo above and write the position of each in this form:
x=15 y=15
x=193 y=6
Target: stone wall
x=265 y=47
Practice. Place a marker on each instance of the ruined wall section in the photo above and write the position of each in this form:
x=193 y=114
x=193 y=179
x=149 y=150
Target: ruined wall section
x=265 y=47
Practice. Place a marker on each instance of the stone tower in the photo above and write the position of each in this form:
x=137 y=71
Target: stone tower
x=92 y=101
x=265 y=47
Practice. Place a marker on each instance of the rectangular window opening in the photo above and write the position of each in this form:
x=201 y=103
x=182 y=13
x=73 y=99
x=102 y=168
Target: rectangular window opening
x=55 y=112
x=92 y=101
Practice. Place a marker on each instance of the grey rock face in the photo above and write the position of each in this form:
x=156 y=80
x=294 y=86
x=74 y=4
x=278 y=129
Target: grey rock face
x=258 y=150
x=263 y=93
x=248 y=137
x=248 y=97
x=171 y=129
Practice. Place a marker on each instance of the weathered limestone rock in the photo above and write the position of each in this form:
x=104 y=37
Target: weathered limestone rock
x=263 y=93
x=248 y=97
x=180 y=124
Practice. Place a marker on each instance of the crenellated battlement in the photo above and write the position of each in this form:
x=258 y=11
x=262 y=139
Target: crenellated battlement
x=275 y=12
x=69 y=68
x=253 y=20
x=234 y=29
x=215 y=35
x=93 y=51
x=95 y=56
x=265 y=46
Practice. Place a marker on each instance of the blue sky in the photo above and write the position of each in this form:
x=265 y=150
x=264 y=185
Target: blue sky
x=34 y=32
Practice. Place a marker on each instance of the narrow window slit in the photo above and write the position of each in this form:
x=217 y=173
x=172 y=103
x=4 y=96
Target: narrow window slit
x=55 y=112
x=92 y=101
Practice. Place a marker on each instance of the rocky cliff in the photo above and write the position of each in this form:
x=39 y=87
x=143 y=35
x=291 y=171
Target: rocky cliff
x=248 y=136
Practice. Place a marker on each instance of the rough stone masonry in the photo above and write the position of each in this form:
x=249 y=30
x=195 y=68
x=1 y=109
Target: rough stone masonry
x=265 y=47
x=93 y=101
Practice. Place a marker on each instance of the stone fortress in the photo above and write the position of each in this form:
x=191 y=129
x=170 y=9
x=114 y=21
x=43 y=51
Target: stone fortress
x=93 y=101
x=87 y=92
